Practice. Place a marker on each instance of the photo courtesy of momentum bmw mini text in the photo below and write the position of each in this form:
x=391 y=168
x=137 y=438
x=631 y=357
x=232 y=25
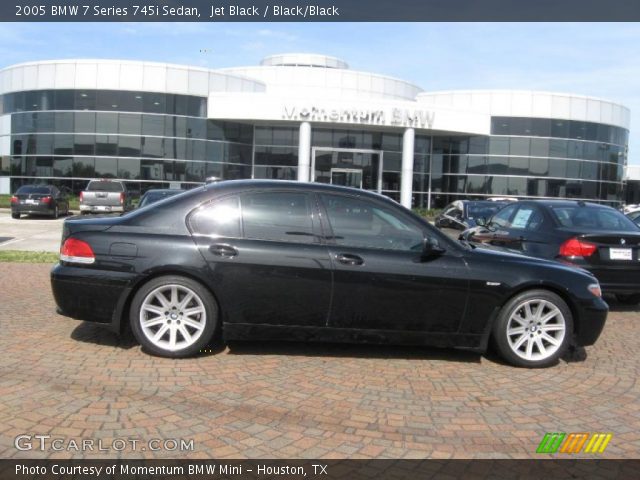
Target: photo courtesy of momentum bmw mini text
x=342 y=239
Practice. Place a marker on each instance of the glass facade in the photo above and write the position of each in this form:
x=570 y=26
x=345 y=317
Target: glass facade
x=523 y=157
x=69 y=136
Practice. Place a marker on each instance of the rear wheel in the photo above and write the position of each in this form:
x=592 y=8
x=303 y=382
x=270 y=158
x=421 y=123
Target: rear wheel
x=632 y=299
x=533 y=329
x=56 y=211
x=173 y=316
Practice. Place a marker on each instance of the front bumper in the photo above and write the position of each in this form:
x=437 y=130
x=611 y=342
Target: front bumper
x=590 y=321
x=91 y=295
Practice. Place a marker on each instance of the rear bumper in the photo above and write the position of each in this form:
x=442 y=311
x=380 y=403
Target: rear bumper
x=91 y=295
x=101 y=208
x=590 y=322
x=622 y=278
x=46 y=209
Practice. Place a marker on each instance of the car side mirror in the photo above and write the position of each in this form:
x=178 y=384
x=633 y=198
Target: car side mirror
x=430 y=249
x=481 y=222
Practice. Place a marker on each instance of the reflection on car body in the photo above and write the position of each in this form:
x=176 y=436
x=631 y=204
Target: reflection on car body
x=287 y=260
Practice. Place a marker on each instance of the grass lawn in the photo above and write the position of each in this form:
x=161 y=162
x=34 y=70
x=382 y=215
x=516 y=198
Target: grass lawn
x=19 y=256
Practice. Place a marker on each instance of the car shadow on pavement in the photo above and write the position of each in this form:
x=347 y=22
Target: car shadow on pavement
x=88 y=332
x=347 y=350
x=573 y=355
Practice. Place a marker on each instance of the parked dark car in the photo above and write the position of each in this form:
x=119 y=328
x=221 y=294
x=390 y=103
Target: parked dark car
x=463 y=214
x=39 y=200
x=304 y=261
x=595 y=237
x=157 y=194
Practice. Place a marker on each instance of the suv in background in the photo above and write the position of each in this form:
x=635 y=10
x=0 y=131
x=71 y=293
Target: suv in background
x=105 y=196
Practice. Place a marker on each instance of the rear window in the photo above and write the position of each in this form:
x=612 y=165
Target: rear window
x=105 y=187
x=590 y=219
x=29 y=189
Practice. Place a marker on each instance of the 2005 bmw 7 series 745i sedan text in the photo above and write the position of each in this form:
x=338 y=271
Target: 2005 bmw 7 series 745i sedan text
x=305 y=261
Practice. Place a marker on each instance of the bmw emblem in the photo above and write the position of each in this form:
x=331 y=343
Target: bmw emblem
x=622 y=241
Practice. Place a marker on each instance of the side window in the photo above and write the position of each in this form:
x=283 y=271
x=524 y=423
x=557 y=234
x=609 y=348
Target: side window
x=217 y=219
x=527 y=218
x=278 y=216
x=502 y=219
x=360 y=223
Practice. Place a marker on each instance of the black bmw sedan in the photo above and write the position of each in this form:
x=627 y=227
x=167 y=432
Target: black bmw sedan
x=591 y=236
x=39 y=200
x=303 y=261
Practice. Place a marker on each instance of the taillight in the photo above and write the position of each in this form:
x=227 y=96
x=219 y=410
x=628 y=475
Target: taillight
x=121 y=198
x=81 y=196
x=575 y=247
x=46 y=199
x=14 y=199
x=76 y=251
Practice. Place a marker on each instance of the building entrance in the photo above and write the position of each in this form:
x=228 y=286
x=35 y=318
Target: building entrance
x=349 y=167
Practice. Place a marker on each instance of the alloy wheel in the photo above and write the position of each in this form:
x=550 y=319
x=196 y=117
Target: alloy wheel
x=172 y=317
x=536 y=329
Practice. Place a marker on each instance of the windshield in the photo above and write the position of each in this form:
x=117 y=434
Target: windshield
x=104 y=187
x=486 y=210
x=589 y=219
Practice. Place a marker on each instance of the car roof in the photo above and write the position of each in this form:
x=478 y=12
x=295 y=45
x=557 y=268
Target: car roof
x=291 y=184
x=164 y=190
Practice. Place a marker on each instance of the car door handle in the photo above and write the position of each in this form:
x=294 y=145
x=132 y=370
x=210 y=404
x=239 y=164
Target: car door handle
x=348 y=259
x=222 y=250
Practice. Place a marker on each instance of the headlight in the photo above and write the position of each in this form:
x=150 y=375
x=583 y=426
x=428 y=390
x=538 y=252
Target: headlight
x=595 y=289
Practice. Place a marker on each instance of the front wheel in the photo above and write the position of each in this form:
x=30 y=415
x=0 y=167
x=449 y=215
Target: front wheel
x=533 y=329
x=15 y=215
x=173 y=316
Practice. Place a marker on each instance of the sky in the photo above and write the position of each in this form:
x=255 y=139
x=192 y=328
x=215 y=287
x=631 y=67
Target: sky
x=595 y=59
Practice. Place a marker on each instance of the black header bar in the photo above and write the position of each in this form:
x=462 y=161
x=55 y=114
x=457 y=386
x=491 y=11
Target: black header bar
x=320 y=11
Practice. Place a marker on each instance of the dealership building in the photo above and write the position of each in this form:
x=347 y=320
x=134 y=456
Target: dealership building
x=303 y=117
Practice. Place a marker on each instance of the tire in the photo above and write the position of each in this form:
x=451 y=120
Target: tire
x=632 y=299
x=15 y=215
x=528 y=345
x=152 y=311
x=56 y=212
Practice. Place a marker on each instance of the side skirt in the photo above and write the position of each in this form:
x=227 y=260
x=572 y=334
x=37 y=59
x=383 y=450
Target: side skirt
x=246 y=331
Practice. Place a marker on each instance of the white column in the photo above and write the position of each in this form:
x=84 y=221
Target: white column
x=406 y=177
x=304 y=152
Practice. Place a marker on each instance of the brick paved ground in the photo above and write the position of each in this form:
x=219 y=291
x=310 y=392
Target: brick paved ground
x=73 y=380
